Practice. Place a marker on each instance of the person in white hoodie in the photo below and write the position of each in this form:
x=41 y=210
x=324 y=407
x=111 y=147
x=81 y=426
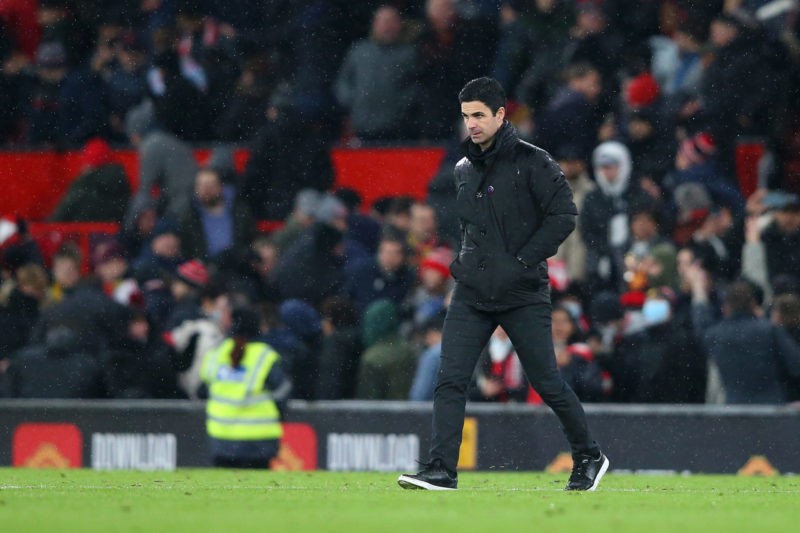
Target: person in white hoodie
x=603 y=221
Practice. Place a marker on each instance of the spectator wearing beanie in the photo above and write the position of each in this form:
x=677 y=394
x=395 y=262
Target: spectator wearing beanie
x=300 y=219
x=163 y=253
x=186 y=286
x=388 y=362
x=698 y=160
x=333 y=212
x=305 y=323
x=642 y=91
x=435 y=282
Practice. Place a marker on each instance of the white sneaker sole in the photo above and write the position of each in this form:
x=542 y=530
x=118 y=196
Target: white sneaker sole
x=600 y=474
x=408 y=482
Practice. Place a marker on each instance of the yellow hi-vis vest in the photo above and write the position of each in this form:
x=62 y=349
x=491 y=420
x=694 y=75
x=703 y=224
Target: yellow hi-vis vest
x=238 y=407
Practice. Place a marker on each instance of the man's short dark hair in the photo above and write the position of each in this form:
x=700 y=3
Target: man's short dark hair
x=740 y=298
x=576 y=71
x=486 y=90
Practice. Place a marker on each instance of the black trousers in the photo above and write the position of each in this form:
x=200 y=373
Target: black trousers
x=466 y=332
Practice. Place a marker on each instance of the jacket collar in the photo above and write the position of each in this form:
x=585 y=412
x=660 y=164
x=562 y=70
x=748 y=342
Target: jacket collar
x=505 y=138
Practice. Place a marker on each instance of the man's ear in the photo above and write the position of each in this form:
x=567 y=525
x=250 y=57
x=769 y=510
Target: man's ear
x=501 y=113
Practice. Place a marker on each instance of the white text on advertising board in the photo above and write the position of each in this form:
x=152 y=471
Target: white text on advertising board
x=134 y=451
x=369 y=451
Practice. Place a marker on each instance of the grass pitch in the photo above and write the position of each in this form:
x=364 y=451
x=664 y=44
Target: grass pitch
x=489 y=502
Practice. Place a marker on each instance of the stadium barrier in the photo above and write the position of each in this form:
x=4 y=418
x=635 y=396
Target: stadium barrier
x=391 y=436
x=34 y=182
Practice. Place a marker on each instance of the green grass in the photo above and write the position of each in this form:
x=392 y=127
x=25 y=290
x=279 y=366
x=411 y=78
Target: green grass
x=288 y=502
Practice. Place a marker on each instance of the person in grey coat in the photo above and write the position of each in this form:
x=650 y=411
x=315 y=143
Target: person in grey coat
x=164 y=160
x=375 y=83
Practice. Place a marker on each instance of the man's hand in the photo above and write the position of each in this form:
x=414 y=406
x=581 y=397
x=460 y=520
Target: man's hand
x=752 y=230
x=699 y=281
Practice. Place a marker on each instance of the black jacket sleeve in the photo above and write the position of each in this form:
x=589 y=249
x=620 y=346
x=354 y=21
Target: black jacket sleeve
x=553 y=194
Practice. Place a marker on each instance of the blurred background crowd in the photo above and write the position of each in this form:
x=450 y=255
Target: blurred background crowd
x=678 y=286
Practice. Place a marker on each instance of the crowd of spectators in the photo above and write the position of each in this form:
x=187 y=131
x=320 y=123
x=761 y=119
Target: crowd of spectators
x=674 y=287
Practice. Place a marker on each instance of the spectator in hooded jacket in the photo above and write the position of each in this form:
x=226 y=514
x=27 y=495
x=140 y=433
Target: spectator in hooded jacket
x=603 y=222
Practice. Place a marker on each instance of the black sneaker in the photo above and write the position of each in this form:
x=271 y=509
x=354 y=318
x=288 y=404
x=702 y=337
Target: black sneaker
x=433 y=477
x=587 y=472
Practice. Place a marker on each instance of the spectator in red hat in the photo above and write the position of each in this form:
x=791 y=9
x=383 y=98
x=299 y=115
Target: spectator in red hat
x=642 y=91
x=101 y=191
x=698 y=160
x=435 y=283
x=190 y=277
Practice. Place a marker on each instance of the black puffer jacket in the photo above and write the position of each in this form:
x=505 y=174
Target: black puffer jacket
x=515 y=209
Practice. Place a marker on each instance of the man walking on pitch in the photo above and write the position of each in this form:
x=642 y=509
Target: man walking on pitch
x=515 y=209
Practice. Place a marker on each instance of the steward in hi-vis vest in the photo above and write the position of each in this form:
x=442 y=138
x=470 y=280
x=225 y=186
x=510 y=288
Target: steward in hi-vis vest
x=245 y=387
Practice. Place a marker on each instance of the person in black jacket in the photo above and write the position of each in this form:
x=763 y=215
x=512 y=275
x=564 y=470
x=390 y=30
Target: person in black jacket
x=515 y=209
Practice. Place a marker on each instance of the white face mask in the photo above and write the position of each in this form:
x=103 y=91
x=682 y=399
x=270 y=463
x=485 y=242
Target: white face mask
x=656 y=312
x=499 y=349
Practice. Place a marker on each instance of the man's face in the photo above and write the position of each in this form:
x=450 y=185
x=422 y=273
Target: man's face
x=390 y=256
x=643 y=226
x=639 y=130
x=423 y=221
x=66 y=271
x=610 y=172
x=166 y=245
x=481 y=123
x=52 y=74
x=722 y=34
x=208 y=188
x=589 y=85
x=441 y=13
x=788 y=220
x=387 y=25
x=112 y=270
